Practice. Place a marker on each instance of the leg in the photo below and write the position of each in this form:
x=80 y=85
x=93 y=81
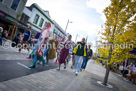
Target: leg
x=20 y=47
x=79 y=63
x=34 y=61
x=86 y=62
x=83 y=63
x=76 y=62
x=43 y=61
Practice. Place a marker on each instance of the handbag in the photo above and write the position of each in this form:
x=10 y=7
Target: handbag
x=38 y=53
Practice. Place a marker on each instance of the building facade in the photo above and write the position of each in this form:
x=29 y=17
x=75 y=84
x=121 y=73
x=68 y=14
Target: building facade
x=37 y=19
x=10 y=13
x=58 y=31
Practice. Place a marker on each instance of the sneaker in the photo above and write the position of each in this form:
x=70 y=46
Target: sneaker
x=18 y=51
x=128 y=74
x=81 y=70
x=64 y=66
x=127 y=80
x=58 y=69
x=76 y=73
x=28 y=57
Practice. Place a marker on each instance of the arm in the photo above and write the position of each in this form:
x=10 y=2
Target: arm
x=29 y=36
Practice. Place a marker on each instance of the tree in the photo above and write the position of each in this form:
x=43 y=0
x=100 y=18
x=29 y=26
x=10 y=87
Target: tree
x=120 y=27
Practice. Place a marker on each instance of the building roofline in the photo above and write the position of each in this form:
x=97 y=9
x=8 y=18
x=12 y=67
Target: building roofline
x=41 y=11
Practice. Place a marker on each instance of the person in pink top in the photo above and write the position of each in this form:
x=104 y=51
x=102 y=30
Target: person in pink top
x=42 y=35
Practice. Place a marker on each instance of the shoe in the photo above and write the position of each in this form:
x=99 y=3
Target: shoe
x=76 y=73
x=71 y=67
x=81 y=70
x=58 y=69
x=64 y=66
x=28 y=57
x=32 y=66
x=18 y=51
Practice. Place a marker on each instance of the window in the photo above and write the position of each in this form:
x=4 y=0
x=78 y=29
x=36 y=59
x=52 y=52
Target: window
x=1 y=0
x=36 y=19
x=14 y=4
x=41 y=22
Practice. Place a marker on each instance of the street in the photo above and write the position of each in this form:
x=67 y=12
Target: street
x=14 y=65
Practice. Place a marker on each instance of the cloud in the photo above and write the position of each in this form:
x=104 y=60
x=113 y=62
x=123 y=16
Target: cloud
x=86 y=16
x=99 y=5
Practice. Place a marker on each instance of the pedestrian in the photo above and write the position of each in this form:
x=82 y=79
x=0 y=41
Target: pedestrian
x=42 y=34
x=73 y=56
x=1 y=30
x=51 y=55
x=3 y=37
x=79 y=52
x=89 y=53
x=16 y=40
x=39 y=55
x=59 y=47
x=40 y=49
x=66 y=50
x=26 y=38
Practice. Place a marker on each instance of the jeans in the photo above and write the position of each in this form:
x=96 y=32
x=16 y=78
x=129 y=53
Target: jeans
x=84 y=63
x=45 y=53
x=78 y=60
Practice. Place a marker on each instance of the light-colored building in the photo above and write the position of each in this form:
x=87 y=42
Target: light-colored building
x=58 y=31
x=10 y=13
x=37 y=19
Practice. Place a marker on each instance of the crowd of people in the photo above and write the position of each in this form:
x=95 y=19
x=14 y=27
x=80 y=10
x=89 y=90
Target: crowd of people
x=49 y=48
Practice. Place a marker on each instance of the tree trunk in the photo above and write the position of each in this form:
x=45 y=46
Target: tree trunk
x=106 y=75
x=108 y=66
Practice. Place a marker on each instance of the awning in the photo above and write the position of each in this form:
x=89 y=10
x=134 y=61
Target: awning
x=133 y=51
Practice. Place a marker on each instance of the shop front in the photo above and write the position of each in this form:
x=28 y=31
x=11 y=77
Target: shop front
x=11 y=25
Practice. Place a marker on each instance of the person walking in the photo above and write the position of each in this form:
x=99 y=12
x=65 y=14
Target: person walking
x=89 y=53
x=39 y=50
x=58 y=46
x=43 y=33
x=79 y=52
x=65 y=52
x=26 y=38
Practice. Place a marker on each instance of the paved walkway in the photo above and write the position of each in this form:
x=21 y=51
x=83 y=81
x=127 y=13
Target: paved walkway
x=65 y=80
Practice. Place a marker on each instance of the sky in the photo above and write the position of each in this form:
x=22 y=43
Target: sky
x=86 y=16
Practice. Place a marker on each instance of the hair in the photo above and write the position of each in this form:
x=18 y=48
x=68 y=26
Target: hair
x=29 y=27
x=49 y=23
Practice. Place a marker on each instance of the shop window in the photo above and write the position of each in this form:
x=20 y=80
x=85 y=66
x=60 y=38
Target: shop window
x=36 y=19
x=41 y=22
x=14 y=4
x=1 y=1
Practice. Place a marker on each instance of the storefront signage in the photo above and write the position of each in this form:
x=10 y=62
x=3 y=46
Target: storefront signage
x=7 y=17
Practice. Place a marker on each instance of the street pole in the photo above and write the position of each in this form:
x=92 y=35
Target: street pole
x=67 y=25
x=76 y=38
x=86 y=38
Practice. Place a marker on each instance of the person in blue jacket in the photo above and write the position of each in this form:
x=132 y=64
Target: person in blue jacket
x=26 y=38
